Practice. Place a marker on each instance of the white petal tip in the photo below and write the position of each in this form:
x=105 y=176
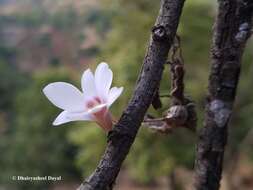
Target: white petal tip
x=56 y=123
x=87 y=71
x=120 y=90
x=46 y=88
x=103 y=63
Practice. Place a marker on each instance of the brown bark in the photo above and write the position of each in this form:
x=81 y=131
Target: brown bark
x=232 y=29
x=122 y=136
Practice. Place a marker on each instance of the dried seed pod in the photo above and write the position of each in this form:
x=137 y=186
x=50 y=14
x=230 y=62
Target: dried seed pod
x=176 y=116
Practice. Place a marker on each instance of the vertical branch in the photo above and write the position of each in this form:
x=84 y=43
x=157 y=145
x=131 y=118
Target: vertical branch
x=232 y=29
x=122 y=136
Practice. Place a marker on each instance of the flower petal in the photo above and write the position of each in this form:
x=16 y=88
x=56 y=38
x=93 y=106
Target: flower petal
x=65 y=96
x=103 y=79
x=114 y=93
x=88 y=83
x=65 y=117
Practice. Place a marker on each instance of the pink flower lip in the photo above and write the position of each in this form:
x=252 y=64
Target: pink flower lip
x=101 y=114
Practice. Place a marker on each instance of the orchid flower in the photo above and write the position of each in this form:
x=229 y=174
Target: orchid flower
x=90 y=105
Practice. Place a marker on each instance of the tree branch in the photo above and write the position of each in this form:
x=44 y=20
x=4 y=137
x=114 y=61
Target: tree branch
x=232 y=29
x=122 y=136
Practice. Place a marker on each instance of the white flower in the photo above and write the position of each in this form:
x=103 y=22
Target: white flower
x=90 y=105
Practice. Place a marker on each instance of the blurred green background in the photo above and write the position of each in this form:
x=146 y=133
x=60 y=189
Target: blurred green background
x=56 y=40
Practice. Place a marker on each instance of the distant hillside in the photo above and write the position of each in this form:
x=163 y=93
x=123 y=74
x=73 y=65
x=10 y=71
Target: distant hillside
x=51 y=32
x=6 y=2
x=9 y=7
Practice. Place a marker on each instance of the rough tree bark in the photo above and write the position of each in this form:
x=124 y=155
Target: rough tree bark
x=232 y=29
x=122 y=136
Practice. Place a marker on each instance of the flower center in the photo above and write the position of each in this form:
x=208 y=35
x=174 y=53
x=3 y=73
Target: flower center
x=93 y=103
x=99 y=111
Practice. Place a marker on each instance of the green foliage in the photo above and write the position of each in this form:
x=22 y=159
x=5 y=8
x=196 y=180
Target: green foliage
x=195 y=31
x=91 y=139
x=33 y=18
x=100 y=18
x=64 y=19
x=11 y=81
x=35 y=148
x=154 y=155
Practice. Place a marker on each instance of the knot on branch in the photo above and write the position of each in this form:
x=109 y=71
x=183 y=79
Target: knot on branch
x=177 y=116
x=159 y=33
x=182 y=116
x=243 y=32
x=220 y=112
